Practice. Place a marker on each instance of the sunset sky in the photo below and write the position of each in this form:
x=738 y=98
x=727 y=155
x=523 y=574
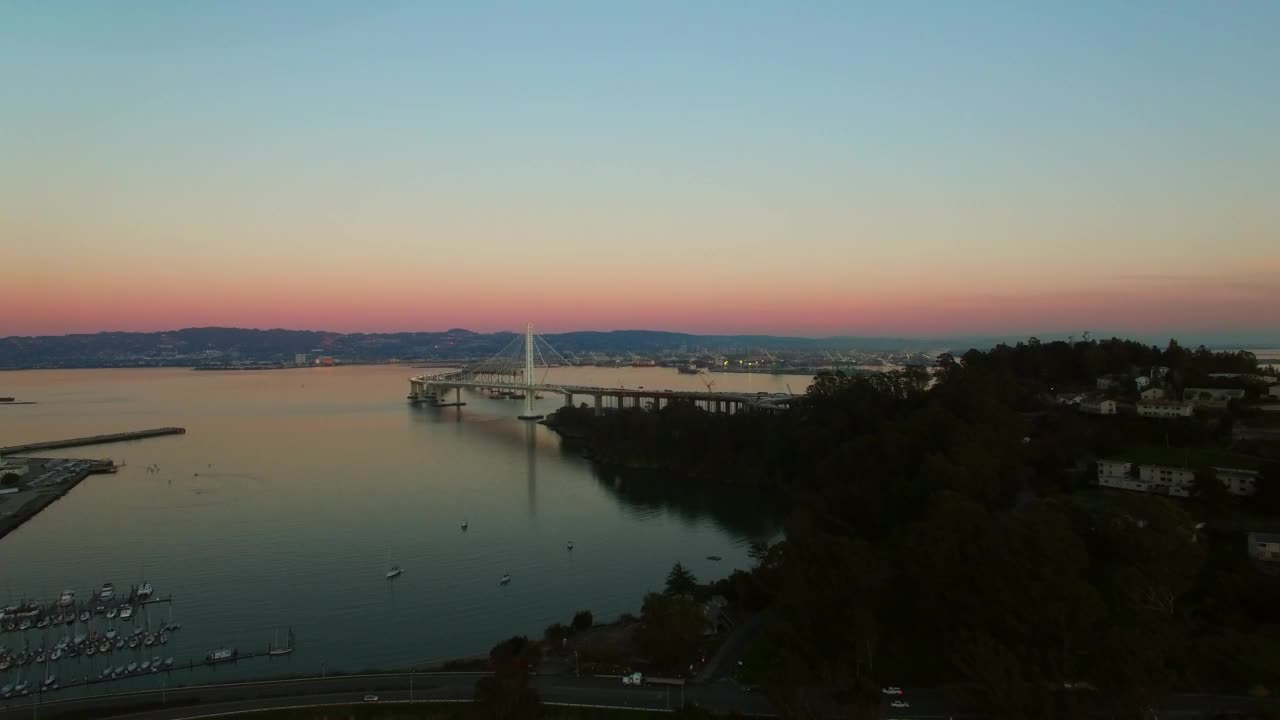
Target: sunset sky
x=815 y=168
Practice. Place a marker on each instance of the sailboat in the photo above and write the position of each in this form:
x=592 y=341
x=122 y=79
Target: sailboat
x=393 y=571
x=277 y=650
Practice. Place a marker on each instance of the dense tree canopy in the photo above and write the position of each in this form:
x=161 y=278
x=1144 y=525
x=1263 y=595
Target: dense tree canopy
x=944 y=531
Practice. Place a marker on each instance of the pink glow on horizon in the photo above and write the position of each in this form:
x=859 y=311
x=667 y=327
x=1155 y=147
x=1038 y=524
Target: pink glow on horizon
x=1147 y=304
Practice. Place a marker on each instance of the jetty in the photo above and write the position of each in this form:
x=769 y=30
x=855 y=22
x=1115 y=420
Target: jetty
x=93 y=440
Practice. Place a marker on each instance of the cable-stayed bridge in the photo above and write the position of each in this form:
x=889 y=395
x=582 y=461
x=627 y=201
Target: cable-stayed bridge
x=512 y=373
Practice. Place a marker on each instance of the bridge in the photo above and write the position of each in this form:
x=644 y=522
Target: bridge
x=511 y=374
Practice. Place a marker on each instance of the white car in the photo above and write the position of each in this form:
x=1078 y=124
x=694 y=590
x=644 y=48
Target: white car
x=891 y=690
x=371 y=698
x=633 y=679
x=899 y=704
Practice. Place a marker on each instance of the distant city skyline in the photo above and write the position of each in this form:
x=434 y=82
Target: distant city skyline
x=979 y=169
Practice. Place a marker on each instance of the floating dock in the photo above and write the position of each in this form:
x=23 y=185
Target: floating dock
x=93 y=440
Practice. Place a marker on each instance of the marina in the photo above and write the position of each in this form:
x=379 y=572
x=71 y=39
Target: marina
x=95 y=624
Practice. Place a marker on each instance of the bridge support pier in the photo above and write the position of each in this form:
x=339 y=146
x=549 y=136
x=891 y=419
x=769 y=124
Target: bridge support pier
x=568 y=400
x=599 y=404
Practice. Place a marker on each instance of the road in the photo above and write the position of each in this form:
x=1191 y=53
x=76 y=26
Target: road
x=722 y=696
x=210 y=699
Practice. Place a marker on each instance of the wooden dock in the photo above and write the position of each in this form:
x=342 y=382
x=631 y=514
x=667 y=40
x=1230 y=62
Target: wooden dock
x=93 y=440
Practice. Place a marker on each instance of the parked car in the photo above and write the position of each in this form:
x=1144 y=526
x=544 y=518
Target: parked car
x=899 y=704
x=891 y=690
x=371 y=698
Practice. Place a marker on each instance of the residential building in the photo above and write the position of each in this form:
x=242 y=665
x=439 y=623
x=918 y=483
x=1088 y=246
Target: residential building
x=1212 y=397
x=1142 y=382
x=1153 y=394
x=1118 y=474
x=1098 y=406
x=300 y=359
x=326 y=361
x=1264 y=546
x=1165 y=408
x=1108 y=382
x=1171 y=480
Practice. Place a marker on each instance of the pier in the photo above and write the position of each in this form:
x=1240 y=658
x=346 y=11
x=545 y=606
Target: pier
x=93 y=440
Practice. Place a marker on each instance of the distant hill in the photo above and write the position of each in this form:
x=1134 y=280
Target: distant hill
x=212 y=345
x=209 y=345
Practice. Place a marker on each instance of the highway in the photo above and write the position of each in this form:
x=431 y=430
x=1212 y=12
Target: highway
x=722 y=696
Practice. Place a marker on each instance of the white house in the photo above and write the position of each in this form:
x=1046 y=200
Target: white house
x=1212 y=397
x=1170 y=480
x=1118 y=474
x=1098 y=406
x=1153 y=394
x=1165 y=408
x=1264 y=546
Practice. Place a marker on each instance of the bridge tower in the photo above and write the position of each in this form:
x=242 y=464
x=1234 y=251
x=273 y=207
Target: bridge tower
x=529 y=392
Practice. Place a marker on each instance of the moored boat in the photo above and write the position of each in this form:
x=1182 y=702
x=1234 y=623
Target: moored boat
x=221 y=655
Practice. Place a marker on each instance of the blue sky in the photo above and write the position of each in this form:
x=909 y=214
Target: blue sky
x=840 y=158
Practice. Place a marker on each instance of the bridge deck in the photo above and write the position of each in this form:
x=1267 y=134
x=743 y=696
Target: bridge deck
x=451 y=380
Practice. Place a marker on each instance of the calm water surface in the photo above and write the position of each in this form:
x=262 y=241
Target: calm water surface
x=293 y=489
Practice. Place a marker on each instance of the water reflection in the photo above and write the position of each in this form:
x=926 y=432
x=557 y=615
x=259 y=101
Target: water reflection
x=531 y=465
x=742 y=512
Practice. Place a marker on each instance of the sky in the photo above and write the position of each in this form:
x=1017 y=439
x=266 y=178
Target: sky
x=818 y=168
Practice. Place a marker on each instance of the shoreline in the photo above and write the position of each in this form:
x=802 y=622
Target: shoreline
x=46 y=497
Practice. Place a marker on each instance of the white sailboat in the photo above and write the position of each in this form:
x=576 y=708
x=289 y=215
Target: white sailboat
x=275 y=645
x=393 y=571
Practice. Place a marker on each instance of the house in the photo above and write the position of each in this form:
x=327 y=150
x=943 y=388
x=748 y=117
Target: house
x=1274 y=391
x=1264 y=546
x=1212 y=397
x=1098 y=406
x=1142 y=382
x=1165 y=408
x=1109 y=382
x=1118 y=474
x=1171 y=480
x=1153 y=394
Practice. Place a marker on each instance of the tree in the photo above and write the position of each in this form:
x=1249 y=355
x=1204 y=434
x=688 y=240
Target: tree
x=582 y=620
x=670 y=629
x=506 y=695
x=10 y=478
x=1267 y=496
x=681 y=582
x=1207 y=488
x=556 y=634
